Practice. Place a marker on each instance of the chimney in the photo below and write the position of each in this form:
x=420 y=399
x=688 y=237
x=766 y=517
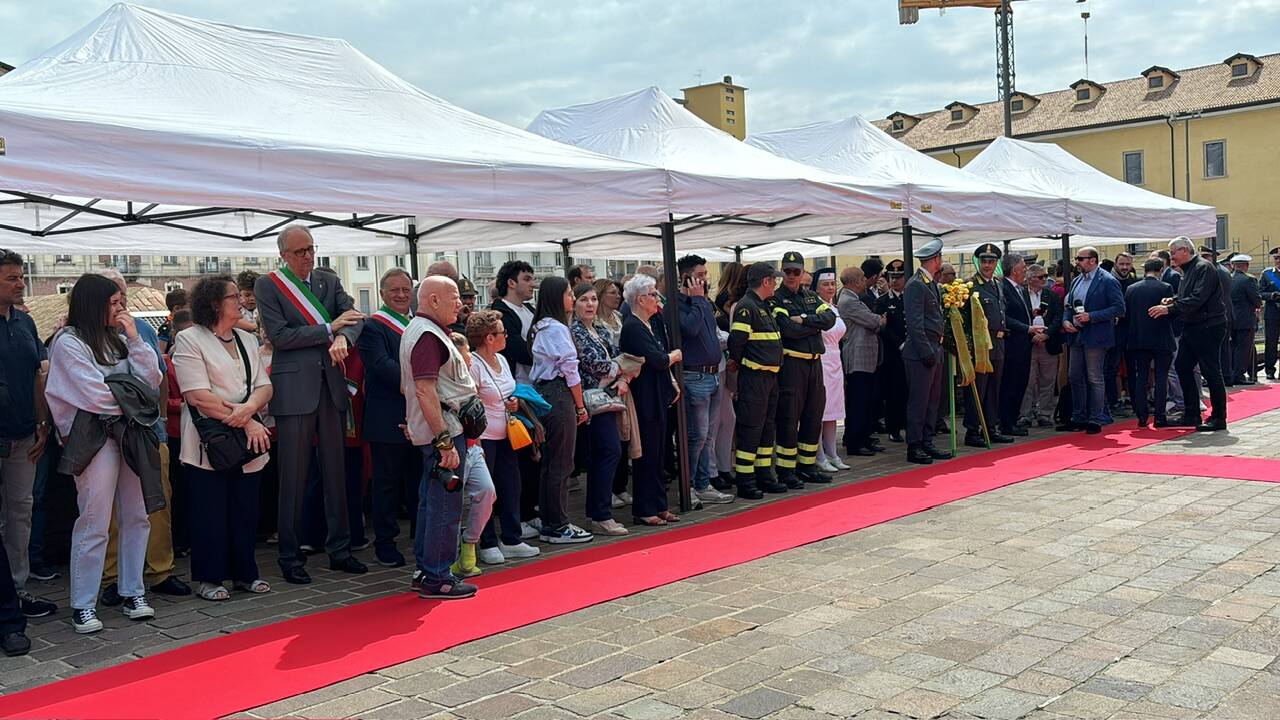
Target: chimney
x=728 y=79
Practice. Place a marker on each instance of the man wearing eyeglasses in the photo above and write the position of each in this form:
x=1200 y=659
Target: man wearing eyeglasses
x=312 y=326
x=1089 y=315
x=1199 y=304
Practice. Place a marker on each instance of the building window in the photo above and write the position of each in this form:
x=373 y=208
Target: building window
x=536 y=259
x=485 y=258
x=1240 y=70
x=957 y=115
x=1016 y=105
x=1133 y=169
x=64 y=288
x=364 y=300
x=28 y=267
x=169 y=260
x=1215 y=159
x=511 y=256
x=729 y=90
x=362 y=262
x=1222 y=231
x=172 y=285
x=728 y=98
x=323 y=261
x=729 y=113
x=62 y=259
x=1155 y=82
x=1082 y=94
x=731 y=121
x=899 y=124
x=399 y=261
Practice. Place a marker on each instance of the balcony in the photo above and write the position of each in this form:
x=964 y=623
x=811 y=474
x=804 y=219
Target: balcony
x=212 y=267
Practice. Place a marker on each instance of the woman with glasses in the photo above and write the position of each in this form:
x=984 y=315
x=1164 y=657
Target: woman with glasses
x=653 y=391
x=597 y=353
x=222 y=378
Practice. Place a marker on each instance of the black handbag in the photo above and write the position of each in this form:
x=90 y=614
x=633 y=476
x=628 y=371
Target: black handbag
x=472 y=416
x=225 y=447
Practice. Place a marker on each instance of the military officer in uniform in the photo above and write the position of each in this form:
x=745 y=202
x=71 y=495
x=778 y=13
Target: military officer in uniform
x=893 y=376
x=922 y=354
x=986 y=386
x=1269 y=287
x=802 y=317
x=755 y=351
x=467 y=293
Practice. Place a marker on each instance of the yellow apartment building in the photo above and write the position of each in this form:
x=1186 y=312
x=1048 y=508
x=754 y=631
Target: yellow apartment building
x=1208 y=134
x=721 y=104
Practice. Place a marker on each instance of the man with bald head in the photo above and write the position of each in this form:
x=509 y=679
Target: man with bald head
x=436 y=381
x=312 y=326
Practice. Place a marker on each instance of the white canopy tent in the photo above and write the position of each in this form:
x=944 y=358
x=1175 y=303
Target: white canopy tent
x=170 y=111
x=723 y=191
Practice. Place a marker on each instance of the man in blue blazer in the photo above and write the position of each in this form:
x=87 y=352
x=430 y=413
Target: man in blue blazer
x=1093 y=304
x=397 y=465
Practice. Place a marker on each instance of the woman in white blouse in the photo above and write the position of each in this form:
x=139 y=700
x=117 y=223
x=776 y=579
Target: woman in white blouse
x=210 y=367
x=100 y=339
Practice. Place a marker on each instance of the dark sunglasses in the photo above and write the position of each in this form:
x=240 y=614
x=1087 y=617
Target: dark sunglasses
x=1082 y=258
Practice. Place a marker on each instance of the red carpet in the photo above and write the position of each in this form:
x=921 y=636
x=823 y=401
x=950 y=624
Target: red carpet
x=1232 y=467
x=255 y=667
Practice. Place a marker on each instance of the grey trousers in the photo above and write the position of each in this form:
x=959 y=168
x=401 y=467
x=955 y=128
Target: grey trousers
x=924 y=393
x=1037 y=402
x=294 y=461
x=17 y=484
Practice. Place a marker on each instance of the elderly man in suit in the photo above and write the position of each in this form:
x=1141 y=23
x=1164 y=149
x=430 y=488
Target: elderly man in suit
x=922 y=354
x=312 y=327
x=1046 y=312
x=1149 y=341
x=1092 y=306
x=860 y=354
x=1017 y=344
x=1245 y=302
x=397 y=464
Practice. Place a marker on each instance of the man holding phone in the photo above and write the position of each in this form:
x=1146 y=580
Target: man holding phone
x=701 y=367
x=1094 y=303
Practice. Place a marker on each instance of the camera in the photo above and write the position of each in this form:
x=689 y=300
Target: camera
x=448 y=478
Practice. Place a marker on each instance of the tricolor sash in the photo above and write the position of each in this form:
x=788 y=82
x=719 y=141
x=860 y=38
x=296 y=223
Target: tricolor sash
x=391 y=319
x=297 y=293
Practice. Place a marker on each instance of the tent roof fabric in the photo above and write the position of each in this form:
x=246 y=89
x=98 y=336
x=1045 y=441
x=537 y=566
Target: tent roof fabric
x=185 y=111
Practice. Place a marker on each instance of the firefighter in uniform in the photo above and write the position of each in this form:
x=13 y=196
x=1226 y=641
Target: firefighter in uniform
x=986 y=386
x=892 y=337
x=801 y=316
x=755 y=348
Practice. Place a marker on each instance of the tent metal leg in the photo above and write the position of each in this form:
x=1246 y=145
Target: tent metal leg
x=564 y=256
x=672 y=315
x=413 y=250
x=908 y=246
x=1066 y=260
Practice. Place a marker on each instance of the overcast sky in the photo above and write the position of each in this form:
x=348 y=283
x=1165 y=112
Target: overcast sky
x=803 y=61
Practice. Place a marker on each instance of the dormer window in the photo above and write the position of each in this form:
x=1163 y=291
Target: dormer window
x=899 y=124
x=1240 y=69
x=957 y=115
x=1082 y=93
x=961 y=112
x=1087 y=91
x=1242 y=65
x=1016 y=105
x=1159 y=77
x=1155 y=82
x=902 y=122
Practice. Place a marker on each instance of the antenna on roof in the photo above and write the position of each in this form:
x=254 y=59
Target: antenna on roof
x=698 y=77
x=1085 y=17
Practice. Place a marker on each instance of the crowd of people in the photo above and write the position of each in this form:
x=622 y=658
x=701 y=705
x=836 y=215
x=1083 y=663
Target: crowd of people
x=256 y=408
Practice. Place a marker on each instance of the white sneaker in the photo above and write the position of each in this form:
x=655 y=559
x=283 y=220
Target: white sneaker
x=617 y=502
x=491 y=556
x=694 y=502
x=713 y=496
x=626 y=497
x=519 y=550
x=85 y=621
x=529 y=530
x=826 y=466
x=839 y=463
x=570 y=534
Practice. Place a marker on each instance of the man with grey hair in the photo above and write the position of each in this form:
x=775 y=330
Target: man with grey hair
x=443 y=268
x=1046 y=312
x=1017 y=345
x=312 y=326
x=1200 y=306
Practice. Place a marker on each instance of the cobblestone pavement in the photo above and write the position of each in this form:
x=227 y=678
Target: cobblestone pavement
x=1075 y=595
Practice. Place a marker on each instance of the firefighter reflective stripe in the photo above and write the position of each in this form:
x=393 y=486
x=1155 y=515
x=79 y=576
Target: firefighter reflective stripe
x=764 y=457
x=781 y=311
x=786 y=458
x=823 y=307
x=766 y=451
x=752 y=364
x=746 y=461
x=802 y=355
x=740 y=327
x=806 y=447
x=808 y=454
x=765 y=336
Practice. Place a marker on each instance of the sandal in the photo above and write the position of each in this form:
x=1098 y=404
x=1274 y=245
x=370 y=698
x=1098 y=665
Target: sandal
x=651 y=521
x=257 y=587
x=212 y=592
x=669 y=516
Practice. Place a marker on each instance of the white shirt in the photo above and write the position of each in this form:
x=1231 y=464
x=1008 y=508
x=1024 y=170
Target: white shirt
x=493 y=387
x=200 y=363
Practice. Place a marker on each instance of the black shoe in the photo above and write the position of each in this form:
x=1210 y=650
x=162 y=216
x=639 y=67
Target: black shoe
x=1245 y=381
x=388 y=556
x=895 y=436
x=1069 y=426
x=171 y=586
x=812 y=475
x=1212 y=426
x=932 y=451
x=916 y=454
x=1160 y=423
x=878 y=427
x=874 y=446
x=1015 y=430
x=791 y=481
x=1023 y=423
x=34 y=607
x=348 y=564
x=111 y=595
x=975 y=440
x=999 y=437
x=1186 y=421
x=1092 y=428
x=15 y=644
x=1142 y=422
x=773 y=487
x=453 y=590
x=1044 y=423
x=723 y=482
x=863 y=451
x=44 y=574
x=749 y=492
x=296 y=576
x=942 y=429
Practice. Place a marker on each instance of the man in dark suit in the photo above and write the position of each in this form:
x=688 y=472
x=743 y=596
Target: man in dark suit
x=514 y=284
x=922 y=355
x=1149 y=341
x=312 y=328
x=1017 y=344
x=1269 y=290
x=1092 y=306
x=986 y=385
x=1245 y=301
x=1046 y=348
x=1226 y=361
x=892 y=337
x=397 y=464
x=1124 y=272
